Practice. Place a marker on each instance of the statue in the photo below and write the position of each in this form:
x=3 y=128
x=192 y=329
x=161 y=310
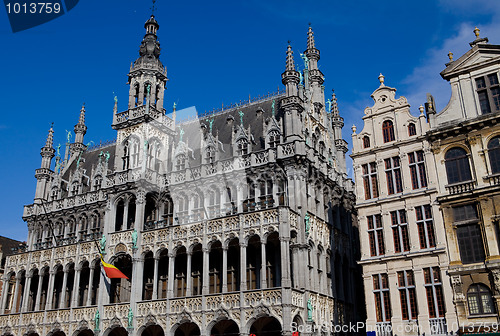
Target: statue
x=134 y=239
x=241 y=116
x=175 y=105
x=329 y=103
x=97 y=320
x=130 y=318
x=210 y=123
x=103 y=243
x=78 y=161
x=58 y=148
x=301 y=78
x=148 y=89
x=307 y=219
x=116 y=98
x=306 y=61
x=309 y=310
x=107 y=155
x=68 y=136
x=273 y=111
x=181 y=133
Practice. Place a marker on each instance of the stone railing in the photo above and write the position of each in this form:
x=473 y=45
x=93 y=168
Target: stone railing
x=66 y=203
x=461 y=187
x=493 y=179
x=118 y=310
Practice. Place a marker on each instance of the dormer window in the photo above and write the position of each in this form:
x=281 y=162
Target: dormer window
x=488 y=92
x=274 y=139
x=75 y=186
x=210 y=155
x=54 y=193
x=412 y=130
x=388 y=131
x=366 y=141
x=180 y=163
x=242 y=147
x=97 y=182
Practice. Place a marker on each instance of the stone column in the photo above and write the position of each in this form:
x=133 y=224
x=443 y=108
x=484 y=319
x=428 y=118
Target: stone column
x=205 y=271
x=125 y=217
x=395 y=300
x=15 y=308
x=155 y=280
x=63 y=290
x=224 y=269
x=91 y=282
x=76 y=287
x=295 y=268
x=140 y=208
x=137 y=286
x=243 y=266
x=239 y=190
x=171 y=275
x=263 y=266
x=189 y=278
x=39 y=291
x=4 y=293
x=285 y=262
x=423 y=316
x=26 y=294
x=50 y=291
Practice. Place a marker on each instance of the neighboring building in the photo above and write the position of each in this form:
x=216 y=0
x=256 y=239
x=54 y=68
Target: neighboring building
x=465 y=139
x=7 y=247
x=403 y=242
x=240 y=222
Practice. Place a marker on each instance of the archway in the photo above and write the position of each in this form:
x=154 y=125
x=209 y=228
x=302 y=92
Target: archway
x=118 y=331
x=153 y=330
x=266 y=326
x=85 y=332
x=187 y=329
x=225 y=327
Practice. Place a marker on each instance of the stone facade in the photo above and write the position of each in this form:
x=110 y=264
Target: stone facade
x=401 y=230
x=465 y=143
x=240 y=222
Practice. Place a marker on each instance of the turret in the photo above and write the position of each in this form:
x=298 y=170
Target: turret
x=80 y=130
x=42 y=174
x=315 y=76
x=292 y=103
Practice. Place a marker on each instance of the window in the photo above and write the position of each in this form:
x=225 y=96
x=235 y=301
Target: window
x=434 y=292
x=376 y=235
x=407 y=295
x=465 y=213
x=180 y=163
x=479 y=300
x=210 y=155
x=400 y=231
x=393 y=174
x=125 y=157
x=412 y=130
x=242 y=147
x=425 y=226
x=382 y=297
x=97 y=182
x=470 y=243
x=366 y=141
x=457 y=165
x=274 y=139
x=370 y=180
x=388 y=131
x=488 y=92
x=417 y=170
x=494 y=154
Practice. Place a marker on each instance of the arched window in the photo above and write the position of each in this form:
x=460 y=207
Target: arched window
x=494 y=154
x=126 y=153
x=480 y=300
x=457 y=165
x=242 y=147
x=153 y=155
x=388 y=131
x=412 y=130
x=366 y=141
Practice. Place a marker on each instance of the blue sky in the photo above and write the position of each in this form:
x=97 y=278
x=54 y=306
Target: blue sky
x=216 y=52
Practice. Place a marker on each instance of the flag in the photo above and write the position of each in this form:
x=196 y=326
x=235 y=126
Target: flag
x=112 y=272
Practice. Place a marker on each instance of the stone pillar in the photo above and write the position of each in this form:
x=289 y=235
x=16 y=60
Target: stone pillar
x=137 y=286
x=239 y=190
x=76 y=287
x=4 y=293
x=189 y=278
x=171 y=275
x=243 y=266
x=295 y=267
x=285 y=262
x=140 y=208
x=263 y=266
x=15 y=308
x=224 y=269
x=125 y=217
x=91 y=282
x=50 y=291
x=205 y=271
x=26 y=294
x=395 y=300
x=155 y=279
x=63 y=290
x=39 y=291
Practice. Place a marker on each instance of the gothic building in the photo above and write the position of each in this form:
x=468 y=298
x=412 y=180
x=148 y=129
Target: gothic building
x=403 y=241
x=465 y=139
x=239 y=222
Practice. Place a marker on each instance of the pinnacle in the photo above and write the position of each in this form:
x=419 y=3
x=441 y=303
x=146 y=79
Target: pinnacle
x=290 y=64
x=81 y=120
x=50 y=137
x=310 y=39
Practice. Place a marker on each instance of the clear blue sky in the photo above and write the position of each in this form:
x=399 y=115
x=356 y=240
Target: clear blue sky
x=216 y=52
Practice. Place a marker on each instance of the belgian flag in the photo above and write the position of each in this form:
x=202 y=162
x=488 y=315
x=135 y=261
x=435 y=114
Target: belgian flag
x=112 y=272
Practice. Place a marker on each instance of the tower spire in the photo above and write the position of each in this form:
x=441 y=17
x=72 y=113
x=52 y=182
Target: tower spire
x=50 y=137
x=80 y=130
x=42 y=174
x=310 y=39
x=290 y=78
x=290 y=63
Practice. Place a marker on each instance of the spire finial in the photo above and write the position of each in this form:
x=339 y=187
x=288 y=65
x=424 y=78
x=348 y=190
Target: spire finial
x=50 y=137
x=476 y=32
x=450 y=56
x=421 y=109
x=334 y=106
x=290 y=64
x=81 y=120
x=310 y=38
x=381 y=78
